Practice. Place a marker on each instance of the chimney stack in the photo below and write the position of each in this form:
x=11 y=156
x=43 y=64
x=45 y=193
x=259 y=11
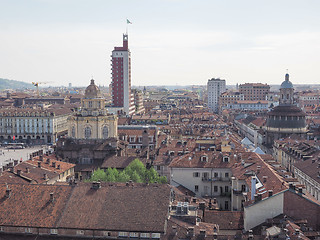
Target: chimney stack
x=190 y=231
x=45 y=176
x=41 y=158
x=51 y=197
x=19 y=172
x=96 y=185
x=15 y=162
x=27 y=170
x=8 y=193
x=253 y=188
x=39 y=164
x=270 y=193
x=300 y=190
x=202 y=232
x=54 y=164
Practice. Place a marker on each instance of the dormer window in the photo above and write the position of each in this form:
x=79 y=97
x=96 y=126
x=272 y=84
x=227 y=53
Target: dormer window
x=204 y=158
x=225 y=159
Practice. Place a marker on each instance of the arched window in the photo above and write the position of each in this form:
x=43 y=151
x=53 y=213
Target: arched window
x=73 y=132
x=105 y=132
x=87 y=132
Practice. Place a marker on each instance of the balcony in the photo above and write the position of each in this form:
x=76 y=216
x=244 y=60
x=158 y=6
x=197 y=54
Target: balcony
x=237 y=192
x=215 y=179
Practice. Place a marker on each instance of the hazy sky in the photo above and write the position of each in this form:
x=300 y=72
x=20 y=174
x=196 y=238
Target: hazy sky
x=172 y=42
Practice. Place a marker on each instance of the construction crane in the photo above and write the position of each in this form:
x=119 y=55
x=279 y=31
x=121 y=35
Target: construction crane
x=36 y=84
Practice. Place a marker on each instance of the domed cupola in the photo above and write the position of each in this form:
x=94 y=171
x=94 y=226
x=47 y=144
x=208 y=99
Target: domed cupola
x=286 y=83
x=92 y=91
x=286 y=92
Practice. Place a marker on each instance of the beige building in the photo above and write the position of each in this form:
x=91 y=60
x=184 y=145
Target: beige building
x=92 y=121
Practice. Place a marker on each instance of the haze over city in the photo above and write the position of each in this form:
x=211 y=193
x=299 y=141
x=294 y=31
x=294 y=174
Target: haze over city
x=172 y=42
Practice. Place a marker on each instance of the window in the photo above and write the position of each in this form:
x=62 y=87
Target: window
x=28 y=230
x=90 y=104
x=144 y=235
x=73 y=132
x=196 y=188
x=155 y=235
x=205 y=175
x=1 y=229
x=225 y=159
x=226 y=175
x=105 y=132
x=53 y=231
x=123 y=234
x=80 y=232
x=243 y=188
x=87 y=132
x=206 y=189
x=226 y=189
x=216 y=175
x=196 y=174
x=106 y=233
x=226 y=205
x=215 y=188
x=158 y=168
x=134 y=235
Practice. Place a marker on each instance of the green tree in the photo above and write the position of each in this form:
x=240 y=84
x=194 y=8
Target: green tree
x=135 y=171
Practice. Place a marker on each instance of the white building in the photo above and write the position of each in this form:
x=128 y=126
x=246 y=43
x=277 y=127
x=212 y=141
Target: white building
x=38 y=126
x=215 y=88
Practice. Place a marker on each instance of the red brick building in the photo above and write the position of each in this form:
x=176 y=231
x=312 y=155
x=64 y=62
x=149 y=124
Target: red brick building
x=254 y=91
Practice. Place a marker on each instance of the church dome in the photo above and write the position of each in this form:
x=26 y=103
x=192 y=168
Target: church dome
x=92 y=91
x=286 y=83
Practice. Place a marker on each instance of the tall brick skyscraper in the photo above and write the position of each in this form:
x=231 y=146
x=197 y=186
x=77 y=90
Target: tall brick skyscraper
x=121 y=78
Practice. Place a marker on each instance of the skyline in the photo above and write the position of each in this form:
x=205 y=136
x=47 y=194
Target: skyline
x=172 y=42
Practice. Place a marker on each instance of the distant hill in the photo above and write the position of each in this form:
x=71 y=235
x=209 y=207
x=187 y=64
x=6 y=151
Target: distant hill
x=12 y=84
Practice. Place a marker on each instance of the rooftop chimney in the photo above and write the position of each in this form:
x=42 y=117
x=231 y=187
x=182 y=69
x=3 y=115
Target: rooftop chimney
x=54 y=164
x=39 y=164
x=300 y=190
x=264 y=178
x=15 y=162
x=270 y=193
x=96 y=185
x=8 y=193
x=41 y=158
x=27 y=170
x=190 y=231
x=51 y=197
x=202 y=232
x=253 y=187
x=45 y=176
x=19 y=172
x=59 y=166
x=48 y=161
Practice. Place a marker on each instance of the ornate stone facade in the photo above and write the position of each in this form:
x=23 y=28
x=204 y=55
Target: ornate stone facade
x=92 y=121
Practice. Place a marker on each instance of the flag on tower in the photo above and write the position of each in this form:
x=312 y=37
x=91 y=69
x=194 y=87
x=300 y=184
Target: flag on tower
x=128 y=22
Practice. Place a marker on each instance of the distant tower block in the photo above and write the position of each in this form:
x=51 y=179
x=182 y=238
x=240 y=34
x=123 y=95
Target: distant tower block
x=215 y=88
x=121 y=78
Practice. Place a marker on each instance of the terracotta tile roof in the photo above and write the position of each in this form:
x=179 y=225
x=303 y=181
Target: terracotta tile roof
x=60 y=166
x=193 y=160
x=139 y=207
x=226 y=220
x=10 y=177
x=29 y=204
x=119 y=162
x=253 y=165
x=35 y=173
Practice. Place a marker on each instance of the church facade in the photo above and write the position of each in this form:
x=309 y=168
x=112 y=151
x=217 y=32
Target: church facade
x=92 y=121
